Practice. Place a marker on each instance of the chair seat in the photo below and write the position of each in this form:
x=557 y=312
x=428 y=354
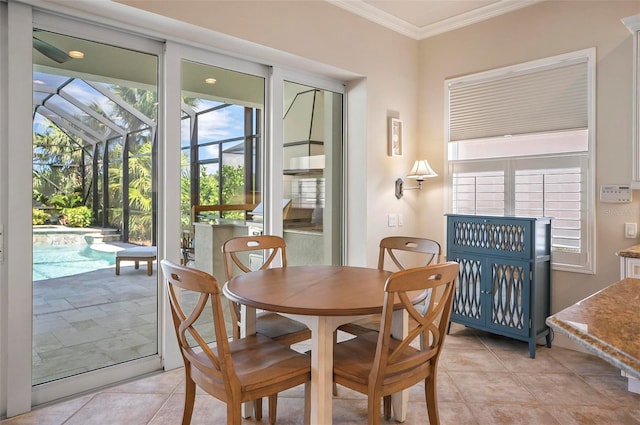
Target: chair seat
x=362 y=326
x=282 y=329
x=368 y=324
x=261 y=364
x=353 y=358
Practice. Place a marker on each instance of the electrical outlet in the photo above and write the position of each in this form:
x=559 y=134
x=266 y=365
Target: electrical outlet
x=393 y=220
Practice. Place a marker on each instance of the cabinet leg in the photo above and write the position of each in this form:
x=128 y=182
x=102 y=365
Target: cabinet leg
x=548 y=338
x=532 y=348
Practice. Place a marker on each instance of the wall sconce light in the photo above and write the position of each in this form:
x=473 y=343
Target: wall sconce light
x=421 y=170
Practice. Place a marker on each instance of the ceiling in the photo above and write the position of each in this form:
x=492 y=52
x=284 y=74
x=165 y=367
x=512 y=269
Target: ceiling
x=420 y=19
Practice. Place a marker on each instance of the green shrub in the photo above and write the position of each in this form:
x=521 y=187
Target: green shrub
x=40 y=217
x=77 y=217
x=61 y=200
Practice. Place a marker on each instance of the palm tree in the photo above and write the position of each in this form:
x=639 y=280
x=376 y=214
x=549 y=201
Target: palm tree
x=57 y=167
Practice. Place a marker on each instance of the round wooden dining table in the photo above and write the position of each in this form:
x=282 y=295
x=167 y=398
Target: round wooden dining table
x=322 y=297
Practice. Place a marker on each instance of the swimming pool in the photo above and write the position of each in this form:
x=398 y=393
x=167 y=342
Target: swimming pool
x=51 y=261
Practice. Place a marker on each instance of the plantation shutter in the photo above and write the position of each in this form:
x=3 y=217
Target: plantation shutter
x=545 y=99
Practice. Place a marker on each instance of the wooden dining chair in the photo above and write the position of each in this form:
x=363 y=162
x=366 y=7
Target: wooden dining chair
x=398 y=253
x=269 y=248
x=238 y=371
x=377 y=364
x=407 y=251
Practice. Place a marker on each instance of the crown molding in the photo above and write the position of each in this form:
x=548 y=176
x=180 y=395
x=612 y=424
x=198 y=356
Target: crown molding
x=378 y=16
x=632 y=23
x=394 y=23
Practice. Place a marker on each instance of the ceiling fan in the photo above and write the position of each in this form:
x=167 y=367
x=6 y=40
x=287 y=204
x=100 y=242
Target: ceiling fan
x=49 y=50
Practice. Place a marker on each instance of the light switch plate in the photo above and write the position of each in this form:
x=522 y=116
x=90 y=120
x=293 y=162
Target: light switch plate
x=630 y=230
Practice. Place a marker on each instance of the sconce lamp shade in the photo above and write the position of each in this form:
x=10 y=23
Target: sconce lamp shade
x=421 y=170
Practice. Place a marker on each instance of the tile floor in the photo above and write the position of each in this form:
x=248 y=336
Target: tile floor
x=483 y=379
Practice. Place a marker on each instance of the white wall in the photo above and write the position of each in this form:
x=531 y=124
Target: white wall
x=542 y=30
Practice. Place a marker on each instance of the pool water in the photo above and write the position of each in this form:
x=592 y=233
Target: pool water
x=51 y=261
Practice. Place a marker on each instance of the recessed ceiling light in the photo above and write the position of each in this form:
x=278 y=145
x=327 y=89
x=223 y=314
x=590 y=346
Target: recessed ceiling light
x=76 y=54
x=210 y=80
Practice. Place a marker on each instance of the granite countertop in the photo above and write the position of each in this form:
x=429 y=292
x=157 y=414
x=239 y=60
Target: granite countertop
x=606 y=323
x=631 y=252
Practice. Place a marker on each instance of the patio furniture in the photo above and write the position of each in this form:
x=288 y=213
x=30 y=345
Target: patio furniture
x=187 y=245
x=137 y=254
x=234 y=371
x=378 y=364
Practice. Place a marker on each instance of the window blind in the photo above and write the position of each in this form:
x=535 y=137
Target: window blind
x=479 y=193
x=548 y=99
x=557 y=193
x=543 y=187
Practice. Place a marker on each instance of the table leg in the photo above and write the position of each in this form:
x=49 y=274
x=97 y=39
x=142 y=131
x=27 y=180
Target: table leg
x=321 y=370
x=247 y=327
x=321 y=393
x=400 y=400
x=248 y=321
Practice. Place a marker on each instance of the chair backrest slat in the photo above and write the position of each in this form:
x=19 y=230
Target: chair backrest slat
x=430 y=323
x=423 y=252
x=274 y=246
x=182 y=282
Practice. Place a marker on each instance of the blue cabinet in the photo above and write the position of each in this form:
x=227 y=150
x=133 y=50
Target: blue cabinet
x=505 y=269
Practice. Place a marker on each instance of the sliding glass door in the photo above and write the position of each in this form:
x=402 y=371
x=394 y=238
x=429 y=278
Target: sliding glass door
x=221 y=161
x=312 y=174
x=92 y=142
x=94 y=138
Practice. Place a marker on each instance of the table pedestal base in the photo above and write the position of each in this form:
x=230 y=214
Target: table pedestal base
x=322 y=329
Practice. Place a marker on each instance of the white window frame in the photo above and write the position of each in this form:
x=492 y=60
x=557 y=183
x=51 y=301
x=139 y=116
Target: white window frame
x=580 y=263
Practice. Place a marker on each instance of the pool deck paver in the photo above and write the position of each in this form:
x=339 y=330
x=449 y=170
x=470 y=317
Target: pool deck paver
x=96 y=319
x=91 y=320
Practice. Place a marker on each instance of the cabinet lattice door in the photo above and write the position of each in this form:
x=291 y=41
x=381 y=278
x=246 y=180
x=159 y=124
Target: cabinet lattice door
x=504 y=280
